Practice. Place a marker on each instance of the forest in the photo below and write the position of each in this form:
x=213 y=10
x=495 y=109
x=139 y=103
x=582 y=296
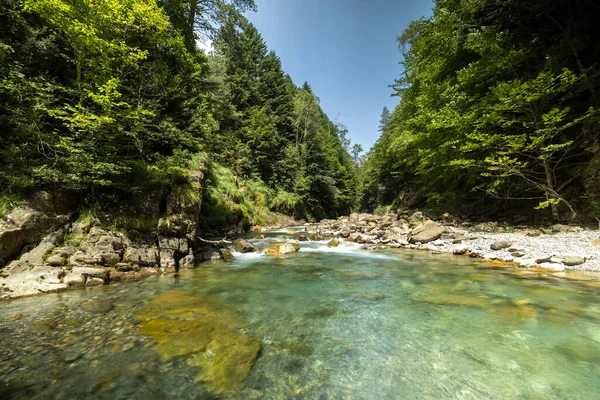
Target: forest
x=114 y=101
x=498 y=113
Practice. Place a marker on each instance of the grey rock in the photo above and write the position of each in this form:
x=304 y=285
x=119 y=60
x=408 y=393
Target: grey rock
x=570 y=261
x=143 y=256
x=73 y=243
x=460 y=251
x=94 y=282
x=560 y=228
x=209 y=254
x=90 y=272
x=354 y=237
x=427 y=232
x=97 y=306
x=56 y=260
x=500 y=244
x=243 y=246
x=111 y=258
x=21 y=227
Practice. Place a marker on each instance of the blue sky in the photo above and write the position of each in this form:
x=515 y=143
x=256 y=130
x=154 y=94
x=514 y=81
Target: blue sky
x=345 y=49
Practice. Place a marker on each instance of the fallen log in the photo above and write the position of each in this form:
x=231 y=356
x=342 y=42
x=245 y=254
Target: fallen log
x=214 y=243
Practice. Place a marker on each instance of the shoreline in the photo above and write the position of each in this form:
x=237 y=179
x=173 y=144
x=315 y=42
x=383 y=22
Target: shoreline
x=568 y=248
x=574 y=250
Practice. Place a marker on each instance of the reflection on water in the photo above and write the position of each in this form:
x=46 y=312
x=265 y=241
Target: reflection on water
x=332 y=323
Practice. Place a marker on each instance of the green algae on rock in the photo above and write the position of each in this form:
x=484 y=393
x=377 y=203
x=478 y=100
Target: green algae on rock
x=190 y=325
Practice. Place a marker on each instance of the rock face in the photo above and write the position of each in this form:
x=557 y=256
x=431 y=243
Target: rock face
x=280 y=249
x=189 y=325
x=22 y=226
x=427 y=232
x=243 y=246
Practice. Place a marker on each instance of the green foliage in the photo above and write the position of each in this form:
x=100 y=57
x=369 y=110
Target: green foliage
x=8 y=202
x=112 y=100
x=498 y=105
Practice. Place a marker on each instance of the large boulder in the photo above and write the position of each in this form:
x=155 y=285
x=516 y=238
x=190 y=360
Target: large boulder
x=427 y=232
x=280 y=249
x=21 y=227
x=243 y=246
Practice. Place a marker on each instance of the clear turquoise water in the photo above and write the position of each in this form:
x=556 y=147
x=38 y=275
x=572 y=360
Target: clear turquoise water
x=334 y=323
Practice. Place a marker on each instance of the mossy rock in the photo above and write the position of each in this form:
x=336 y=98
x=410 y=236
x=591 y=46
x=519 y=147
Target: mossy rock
x=190 y=325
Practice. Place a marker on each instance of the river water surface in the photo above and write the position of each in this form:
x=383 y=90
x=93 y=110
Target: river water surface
x=333 y=323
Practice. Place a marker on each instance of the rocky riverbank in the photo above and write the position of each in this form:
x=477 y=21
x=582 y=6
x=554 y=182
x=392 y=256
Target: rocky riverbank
x=58 y=254
x=556 y=248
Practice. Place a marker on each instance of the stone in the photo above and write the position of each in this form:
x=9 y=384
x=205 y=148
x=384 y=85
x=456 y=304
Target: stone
x=22 y=226
x=543 y=260
x=90 y=272
x=595 y=243
x=243 y=246
x=311 y=229
x=226 y=255
x=209 y=337
x=66 y=251
x=317 y=238
x=143 y=256
x=302 y=238
x=333 y=242
x=281 y=249
x=56 y=260
x=209 y=254
x=111 y=258
x=354 y=237
x=570 y=261
x=97 y=306
x=74 y=280
x=500 y=244
x=73 y=243
x=427 y=232
x=345 y=232
x=460 y=251
x=47 y=287
x=560 y=228
x=94 y=282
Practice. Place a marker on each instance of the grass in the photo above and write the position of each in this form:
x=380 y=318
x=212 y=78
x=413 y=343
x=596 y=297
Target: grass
x=8 y=202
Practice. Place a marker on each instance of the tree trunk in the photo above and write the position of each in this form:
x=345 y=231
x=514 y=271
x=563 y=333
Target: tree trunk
x=192 y=16
x=550 y=193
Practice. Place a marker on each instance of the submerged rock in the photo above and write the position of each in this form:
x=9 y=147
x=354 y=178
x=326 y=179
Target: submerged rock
x=243 y=246
x=186 y=324
x=97 y=306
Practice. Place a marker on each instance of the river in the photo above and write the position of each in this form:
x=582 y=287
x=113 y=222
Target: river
x=332 y=323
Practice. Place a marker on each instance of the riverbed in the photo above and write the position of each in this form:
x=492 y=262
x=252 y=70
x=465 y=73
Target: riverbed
x=340 y=322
